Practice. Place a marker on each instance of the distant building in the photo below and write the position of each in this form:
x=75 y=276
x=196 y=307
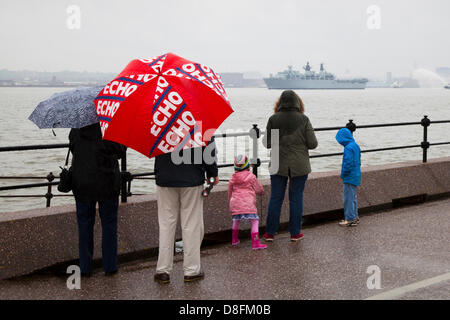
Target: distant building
x=377 y=84
x=232 y=79
x=254 y=83
x=242 y=80
x=444 y=72
x=253 y=75
x=7 y=83
x=56 y=82
x=389 y=77
x=407 y=82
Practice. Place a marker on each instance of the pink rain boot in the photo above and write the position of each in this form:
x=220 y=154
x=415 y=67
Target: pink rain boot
x=256 y=245
x=235 y=239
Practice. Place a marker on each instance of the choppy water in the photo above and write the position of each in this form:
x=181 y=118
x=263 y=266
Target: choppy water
x=325 y=108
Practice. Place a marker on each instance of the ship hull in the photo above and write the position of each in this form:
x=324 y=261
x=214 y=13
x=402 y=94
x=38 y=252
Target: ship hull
x=274 y=83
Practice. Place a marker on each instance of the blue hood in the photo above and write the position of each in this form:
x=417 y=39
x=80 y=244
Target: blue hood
x=344 y=137
x=351 y=160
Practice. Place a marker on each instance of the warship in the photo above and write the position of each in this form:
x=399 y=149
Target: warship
x=292 y=79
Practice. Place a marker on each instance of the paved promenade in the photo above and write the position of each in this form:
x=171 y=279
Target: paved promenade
x=410 y=245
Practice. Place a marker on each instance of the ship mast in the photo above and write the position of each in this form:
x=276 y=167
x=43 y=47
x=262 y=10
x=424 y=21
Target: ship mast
x=307 y=67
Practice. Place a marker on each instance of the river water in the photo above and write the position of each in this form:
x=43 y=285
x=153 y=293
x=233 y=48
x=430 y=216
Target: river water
x=325 y=108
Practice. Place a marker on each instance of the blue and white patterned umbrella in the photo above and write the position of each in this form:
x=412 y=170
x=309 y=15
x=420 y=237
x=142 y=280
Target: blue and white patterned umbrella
x=68 y=109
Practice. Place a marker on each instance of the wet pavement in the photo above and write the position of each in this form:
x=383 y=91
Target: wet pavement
x=408 y=245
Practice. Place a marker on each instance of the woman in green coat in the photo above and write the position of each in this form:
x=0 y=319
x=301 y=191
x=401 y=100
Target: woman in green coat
x=290 y=135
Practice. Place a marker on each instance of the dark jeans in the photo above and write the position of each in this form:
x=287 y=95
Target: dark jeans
x=86 y=219
x=277 y=191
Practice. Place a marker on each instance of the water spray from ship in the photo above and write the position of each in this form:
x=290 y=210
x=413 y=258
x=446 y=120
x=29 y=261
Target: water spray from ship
x=428 y=79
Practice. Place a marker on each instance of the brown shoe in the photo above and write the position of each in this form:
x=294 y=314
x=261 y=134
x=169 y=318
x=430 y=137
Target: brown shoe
x=199 y=276
x=162 y=277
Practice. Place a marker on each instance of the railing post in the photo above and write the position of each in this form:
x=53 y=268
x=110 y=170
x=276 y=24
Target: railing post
x=49 y=195
x=129 y=185
x=425 y=122
x=351 y=126
x=124 y=178
x=255 y=161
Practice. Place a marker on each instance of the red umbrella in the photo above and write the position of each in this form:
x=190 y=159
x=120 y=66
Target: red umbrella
x=163 y=104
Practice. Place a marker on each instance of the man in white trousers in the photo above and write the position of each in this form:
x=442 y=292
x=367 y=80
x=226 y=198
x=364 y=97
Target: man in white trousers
x=179 y=179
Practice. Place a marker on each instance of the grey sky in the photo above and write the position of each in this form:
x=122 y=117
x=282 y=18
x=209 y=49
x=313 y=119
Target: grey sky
x=231 y=35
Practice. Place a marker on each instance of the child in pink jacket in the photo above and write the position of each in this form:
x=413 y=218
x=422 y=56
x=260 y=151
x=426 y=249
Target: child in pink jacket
x=242 y=190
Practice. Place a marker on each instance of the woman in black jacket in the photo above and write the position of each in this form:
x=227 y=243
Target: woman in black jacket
x=96 y=178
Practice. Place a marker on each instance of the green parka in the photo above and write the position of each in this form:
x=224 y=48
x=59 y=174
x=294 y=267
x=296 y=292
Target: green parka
x=296 y=137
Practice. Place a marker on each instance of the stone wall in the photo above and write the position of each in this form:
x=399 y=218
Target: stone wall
x=34 y=239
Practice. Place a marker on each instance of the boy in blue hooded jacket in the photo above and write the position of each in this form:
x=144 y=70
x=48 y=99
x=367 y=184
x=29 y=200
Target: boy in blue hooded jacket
x=351 y=176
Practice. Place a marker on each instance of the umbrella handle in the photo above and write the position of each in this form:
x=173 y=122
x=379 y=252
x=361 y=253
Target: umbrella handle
x=208 y=189
x=54 y=127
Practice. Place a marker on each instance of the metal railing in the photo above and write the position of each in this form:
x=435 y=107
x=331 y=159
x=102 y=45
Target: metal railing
x=254 y=133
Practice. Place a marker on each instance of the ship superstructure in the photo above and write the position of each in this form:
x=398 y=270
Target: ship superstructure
x=309 y=79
